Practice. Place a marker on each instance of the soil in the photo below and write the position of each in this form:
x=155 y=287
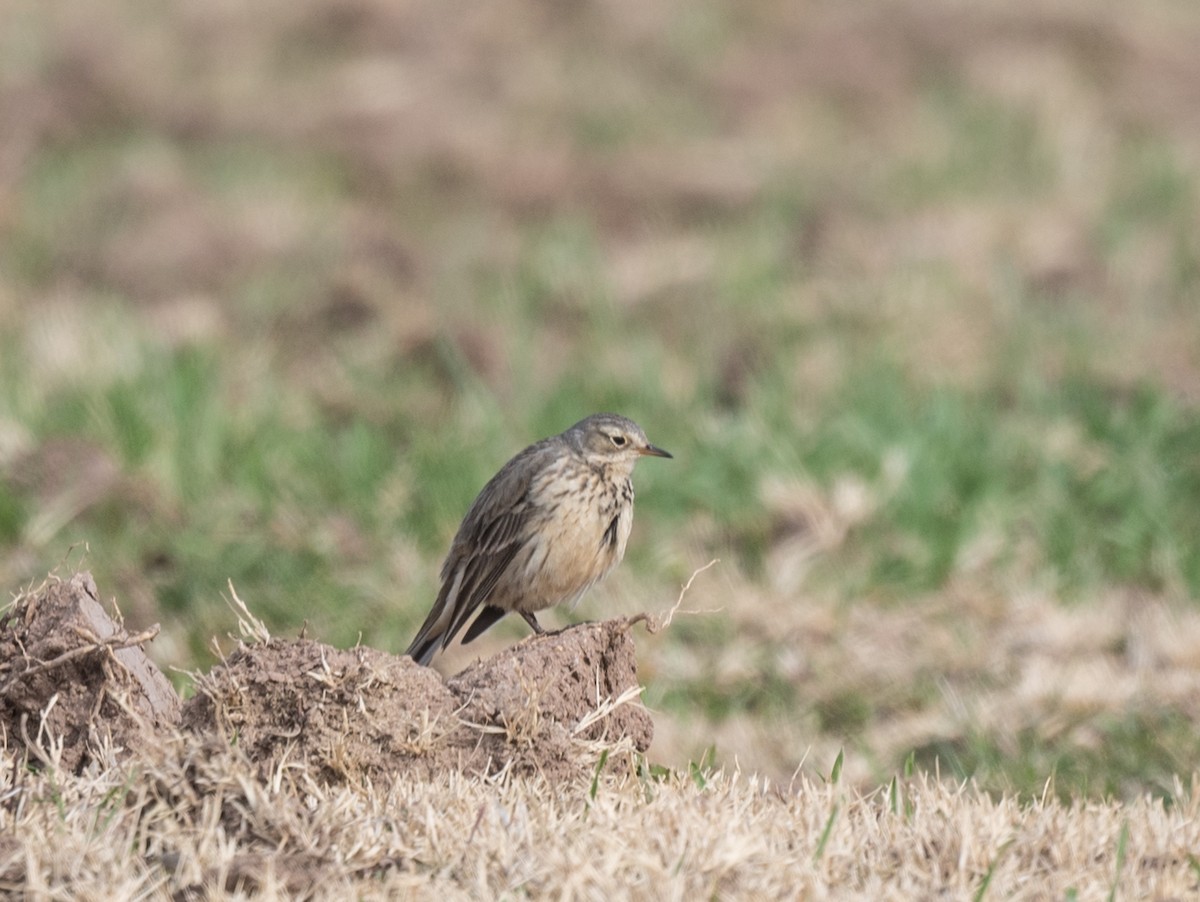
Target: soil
x=69 y=672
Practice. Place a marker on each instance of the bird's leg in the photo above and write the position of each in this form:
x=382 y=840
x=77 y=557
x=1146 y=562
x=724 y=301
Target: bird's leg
x=532 y=621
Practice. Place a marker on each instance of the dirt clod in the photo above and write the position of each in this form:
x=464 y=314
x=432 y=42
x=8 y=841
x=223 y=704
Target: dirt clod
x=69 y=672
x=566 y=675
x=347 y=712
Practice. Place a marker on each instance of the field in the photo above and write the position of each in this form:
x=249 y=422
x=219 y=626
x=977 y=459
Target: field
x=911 y=290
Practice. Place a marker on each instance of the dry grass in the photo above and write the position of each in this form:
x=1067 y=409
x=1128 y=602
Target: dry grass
x=943 y=675
x=191 y=820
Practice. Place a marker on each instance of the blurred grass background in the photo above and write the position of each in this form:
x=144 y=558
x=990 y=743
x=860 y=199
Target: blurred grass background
x=911 y=290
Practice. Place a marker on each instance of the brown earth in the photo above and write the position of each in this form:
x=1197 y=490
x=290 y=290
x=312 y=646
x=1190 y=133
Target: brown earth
x=70 y=674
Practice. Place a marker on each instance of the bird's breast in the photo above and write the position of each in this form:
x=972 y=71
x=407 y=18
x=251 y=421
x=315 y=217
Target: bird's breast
x=582 y=537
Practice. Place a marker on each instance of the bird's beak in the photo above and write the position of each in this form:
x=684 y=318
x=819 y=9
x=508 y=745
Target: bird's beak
x=652 y=451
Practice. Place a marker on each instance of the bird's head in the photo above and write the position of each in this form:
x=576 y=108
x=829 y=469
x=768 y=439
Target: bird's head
x=608 y=439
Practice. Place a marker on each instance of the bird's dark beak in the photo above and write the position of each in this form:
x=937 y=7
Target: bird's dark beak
x=652 y=451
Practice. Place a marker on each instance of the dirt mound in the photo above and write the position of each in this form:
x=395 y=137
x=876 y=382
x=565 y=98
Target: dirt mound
x=69 y=674
x=354 y=713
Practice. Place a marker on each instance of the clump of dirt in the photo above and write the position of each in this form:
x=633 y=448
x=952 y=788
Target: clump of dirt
x=74 y=683
x=564 y=676
x=355 y=713
x=347 y=712
x=69 y=673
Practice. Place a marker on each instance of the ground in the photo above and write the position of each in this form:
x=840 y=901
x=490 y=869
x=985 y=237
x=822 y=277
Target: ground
x=76 y=683
x=301 y=770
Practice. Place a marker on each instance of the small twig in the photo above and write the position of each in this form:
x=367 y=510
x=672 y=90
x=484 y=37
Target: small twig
x=658 y=622
x=475 y=826
x=113 y=643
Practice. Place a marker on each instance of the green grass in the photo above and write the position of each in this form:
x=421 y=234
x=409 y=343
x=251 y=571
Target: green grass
x=1115 y=505
x=1100 y=479
x=1101 y=757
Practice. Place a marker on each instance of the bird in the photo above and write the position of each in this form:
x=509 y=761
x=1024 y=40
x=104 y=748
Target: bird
x=547 y=527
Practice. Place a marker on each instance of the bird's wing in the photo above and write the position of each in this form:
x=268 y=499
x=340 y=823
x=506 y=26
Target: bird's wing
x=491 y=535
x=466 y=585
x=481 y=572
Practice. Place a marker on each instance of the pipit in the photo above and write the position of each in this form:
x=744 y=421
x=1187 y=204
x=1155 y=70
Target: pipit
x=551 y=524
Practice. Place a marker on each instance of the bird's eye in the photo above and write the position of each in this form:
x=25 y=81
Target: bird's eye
x=619 y=441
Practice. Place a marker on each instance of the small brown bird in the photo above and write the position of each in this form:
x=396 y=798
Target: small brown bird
x=545 y=529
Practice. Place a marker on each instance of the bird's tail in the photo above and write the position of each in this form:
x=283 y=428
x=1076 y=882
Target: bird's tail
x=453 y=608
x=431 y=636
x=422 y=648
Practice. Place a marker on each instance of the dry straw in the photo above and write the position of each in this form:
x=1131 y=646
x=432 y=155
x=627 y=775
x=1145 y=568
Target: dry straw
x=194 y=819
